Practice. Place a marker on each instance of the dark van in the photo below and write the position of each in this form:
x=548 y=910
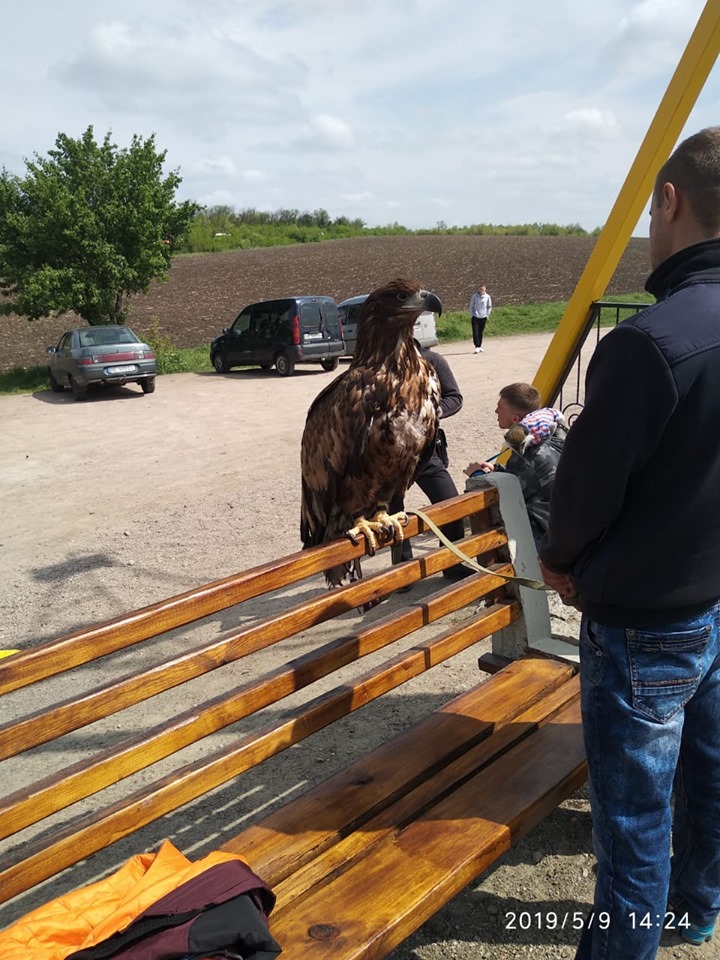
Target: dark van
x=281 y=332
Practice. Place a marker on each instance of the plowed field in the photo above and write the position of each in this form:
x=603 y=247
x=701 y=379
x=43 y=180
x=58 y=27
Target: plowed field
x=205 y=292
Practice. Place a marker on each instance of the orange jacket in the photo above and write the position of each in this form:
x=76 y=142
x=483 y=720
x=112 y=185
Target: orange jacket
x=88 y=916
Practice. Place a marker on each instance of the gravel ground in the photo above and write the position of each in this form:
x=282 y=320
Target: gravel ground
x=123 y=500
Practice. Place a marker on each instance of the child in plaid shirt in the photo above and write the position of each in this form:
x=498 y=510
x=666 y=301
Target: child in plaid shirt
x=536 y=436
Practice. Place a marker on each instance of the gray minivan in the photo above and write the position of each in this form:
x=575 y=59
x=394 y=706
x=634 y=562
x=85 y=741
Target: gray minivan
x=281 y=333
x=424 y=330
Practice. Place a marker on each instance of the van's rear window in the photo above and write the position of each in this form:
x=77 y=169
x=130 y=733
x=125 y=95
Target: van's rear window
x=311 y=316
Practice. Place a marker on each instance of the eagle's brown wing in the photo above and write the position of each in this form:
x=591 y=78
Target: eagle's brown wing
x=364 y=437
x=332 y=443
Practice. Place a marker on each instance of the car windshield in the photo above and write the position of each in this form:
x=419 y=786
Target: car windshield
x=106 y=336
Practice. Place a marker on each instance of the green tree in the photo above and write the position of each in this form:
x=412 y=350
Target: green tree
x=321 y=218
x=86 y=227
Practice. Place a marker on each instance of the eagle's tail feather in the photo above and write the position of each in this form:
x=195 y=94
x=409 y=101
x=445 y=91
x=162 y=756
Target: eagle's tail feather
x=336 y=576
x=353 y=571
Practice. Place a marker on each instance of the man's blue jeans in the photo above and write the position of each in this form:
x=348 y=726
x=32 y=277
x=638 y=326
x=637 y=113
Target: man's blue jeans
x=651 y=720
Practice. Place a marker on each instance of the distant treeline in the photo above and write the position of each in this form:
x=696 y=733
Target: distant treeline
x=222 y=228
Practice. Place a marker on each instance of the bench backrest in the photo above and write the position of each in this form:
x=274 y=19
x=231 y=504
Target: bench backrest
x=86 y=717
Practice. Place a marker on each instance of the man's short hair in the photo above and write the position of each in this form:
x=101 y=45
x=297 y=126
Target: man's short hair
x=521 y=396
x=694 y=168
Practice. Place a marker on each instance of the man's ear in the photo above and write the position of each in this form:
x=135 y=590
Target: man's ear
x=670 y=202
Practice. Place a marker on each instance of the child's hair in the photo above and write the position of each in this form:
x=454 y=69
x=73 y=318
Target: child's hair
x=521 y=396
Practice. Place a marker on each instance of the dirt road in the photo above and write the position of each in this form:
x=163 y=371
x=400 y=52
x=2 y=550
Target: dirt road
x=124 y=499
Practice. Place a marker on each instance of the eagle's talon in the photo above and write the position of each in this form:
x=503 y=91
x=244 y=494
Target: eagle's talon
x=365 y=527
x=380 y=529
x=392 y=525
x=369 y=604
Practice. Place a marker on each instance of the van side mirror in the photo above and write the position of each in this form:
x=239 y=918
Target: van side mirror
x=226 y=331
x=52 y=349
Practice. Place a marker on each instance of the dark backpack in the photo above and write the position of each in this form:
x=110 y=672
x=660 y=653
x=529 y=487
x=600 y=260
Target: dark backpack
x=219 y=913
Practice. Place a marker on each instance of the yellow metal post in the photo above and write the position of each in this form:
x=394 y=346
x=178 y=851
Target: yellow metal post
x=682 y=92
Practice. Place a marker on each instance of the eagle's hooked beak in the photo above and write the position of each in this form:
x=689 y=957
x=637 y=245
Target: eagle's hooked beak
x=424 y=300
x=431 y=302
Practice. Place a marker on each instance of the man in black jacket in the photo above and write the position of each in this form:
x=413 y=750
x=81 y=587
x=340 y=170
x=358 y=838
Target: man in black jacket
x=434 y=478
x=635 y=532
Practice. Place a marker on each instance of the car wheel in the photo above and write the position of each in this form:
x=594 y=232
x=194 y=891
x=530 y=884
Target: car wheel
x=330 y=364
x=284 y=365
x=56 y=387
x=78 y=391
x=218 y=361
x=148 y=385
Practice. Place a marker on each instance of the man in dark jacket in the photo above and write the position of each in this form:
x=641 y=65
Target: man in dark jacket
x=434 y=478
x=635 y=531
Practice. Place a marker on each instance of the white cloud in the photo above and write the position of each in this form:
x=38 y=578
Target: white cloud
x=592 y=118
x=253 y=176
x=333 y=130
x=222 y=165
x=217 y=198
x=200 y=82
x=487 y=112
x=114 y=40
x=650 y=38
x=656 y=17
x=357 y=197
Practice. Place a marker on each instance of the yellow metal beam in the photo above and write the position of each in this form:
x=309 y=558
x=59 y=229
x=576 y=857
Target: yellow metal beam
x=682 y=92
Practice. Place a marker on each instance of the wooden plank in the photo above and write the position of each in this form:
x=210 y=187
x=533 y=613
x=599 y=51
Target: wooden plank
x=63 y=788
x=81 y=646
x=434 y=857
x=41 y=858
x=429 y=791
x=281 y=843
x=74 y=713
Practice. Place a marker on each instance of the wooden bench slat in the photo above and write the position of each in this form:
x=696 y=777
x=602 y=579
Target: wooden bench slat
x=41 y=860
x=81 y=646
x=393 y=769
x=433 y=858
x=411 y=805
x=48 y=724
x=80 y=780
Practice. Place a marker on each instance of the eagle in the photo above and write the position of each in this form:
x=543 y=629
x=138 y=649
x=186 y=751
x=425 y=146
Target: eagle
x=370 y=430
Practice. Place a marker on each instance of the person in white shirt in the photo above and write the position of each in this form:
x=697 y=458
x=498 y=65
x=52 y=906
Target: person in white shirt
x=480 y=310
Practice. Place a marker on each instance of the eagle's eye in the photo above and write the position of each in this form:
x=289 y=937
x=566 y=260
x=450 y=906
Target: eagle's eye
x=403 y=297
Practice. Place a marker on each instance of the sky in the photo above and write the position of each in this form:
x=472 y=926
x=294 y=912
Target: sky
x=407 y=111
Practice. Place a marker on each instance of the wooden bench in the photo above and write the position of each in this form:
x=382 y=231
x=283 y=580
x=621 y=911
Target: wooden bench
x=360 y=859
